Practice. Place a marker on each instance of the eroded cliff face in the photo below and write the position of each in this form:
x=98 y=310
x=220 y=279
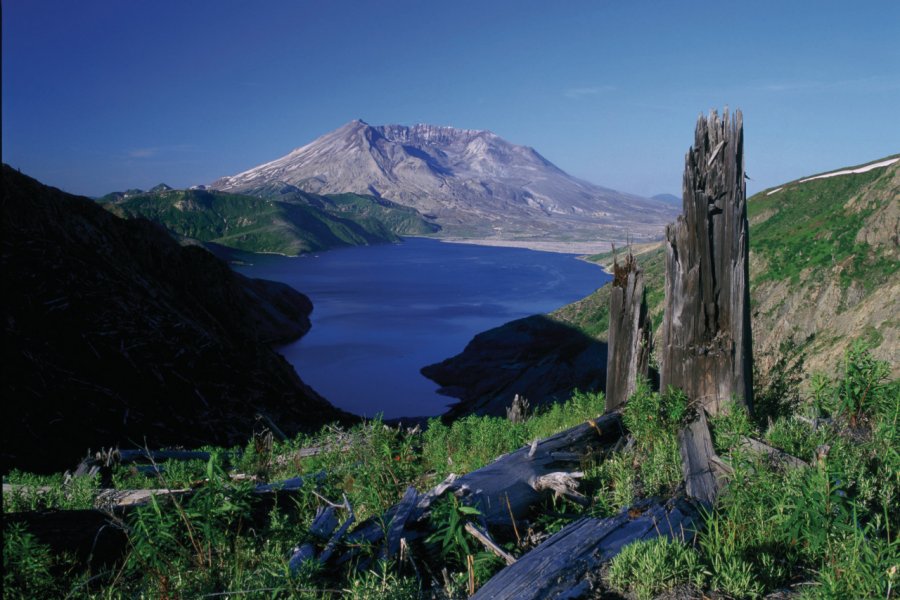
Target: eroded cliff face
x=854 y=295
x=115 y=334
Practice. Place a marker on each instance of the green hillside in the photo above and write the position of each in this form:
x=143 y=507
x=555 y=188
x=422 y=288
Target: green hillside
x=810 y=228
x=290 y=225
x=824 y=269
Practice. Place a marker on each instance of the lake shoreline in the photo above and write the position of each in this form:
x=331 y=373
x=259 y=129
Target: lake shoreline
x=556 y=247
x=382 y=312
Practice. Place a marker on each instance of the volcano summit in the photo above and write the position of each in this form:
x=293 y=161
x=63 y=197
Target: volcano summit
x=472 y=183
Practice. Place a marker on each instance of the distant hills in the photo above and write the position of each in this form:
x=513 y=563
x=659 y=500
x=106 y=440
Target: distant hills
x=824 y=271
x=116 y=334
x=474 y=184
x=285 y=221
x=669 y=199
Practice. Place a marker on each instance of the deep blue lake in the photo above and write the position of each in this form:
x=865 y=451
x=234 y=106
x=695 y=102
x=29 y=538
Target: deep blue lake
x=381 y=313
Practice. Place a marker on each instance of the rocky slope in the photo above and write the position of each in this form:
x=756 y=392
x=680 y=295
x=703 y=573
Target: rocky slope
x=824 y=271
x=288 y=221
x=115 y=334
x=474 y=183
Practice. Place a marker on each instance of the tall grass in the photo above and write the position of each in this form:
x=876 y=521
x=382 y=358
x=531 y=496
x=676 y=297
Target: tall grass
x=831 y=527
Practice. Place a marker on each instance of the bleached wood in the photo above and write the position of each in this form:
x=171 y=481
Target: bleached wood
x=488 y=543
x=629 y=333
x=706 y=345
x=558 y=568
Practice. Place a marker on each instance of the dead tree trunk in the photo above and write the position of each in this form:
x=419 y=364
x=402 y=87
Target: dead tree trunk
x=706 y=344
x=629 y=333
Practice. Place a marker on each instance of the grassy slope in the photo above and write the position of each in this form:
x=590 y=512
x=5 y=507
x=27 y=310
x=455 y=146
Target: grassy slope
x=824 y=270
x=827 y=530
x=306 y=224
x=813 y=226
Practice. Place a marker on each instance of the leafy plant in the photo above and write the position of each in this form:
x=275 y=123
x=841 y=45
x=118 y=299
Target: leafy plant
x=650 y=567
x=863 y=385
x=43 y=492
x=730 y=425
x=654 y=420
x=27 y=565
x=649 y=415
x=448 y=520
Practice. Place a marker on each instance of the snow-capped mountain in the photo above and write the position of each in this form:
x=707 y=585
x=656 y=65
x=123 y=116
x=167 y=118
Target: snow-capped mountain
x=473 y=183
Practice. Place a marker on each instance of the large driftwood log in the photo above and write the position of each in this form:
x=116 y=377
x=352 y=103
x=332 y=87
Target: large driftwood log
x=629 y=332
x=506 y=490
x=106 y=498
x=776 y=455
x=558 y=568
x=706 y=344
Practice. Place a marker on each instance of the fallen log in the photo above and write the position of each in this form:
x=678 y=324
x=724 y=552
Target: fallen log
x=775 y=454
x=506 y=490
x=130 y=456
x=99 y=536
x=398 y=522
x=515 y=482
x=558 y=568
x=106 y=498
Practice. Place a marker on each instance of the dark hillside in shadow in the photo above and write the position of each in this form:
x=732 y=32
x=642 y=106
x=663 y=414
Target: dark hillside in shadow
x=115 y=334
x=538 y=357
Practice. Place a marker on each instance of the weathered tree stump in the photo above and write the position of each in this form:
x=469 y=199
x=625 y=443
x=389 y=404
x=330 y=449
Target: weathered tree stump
x=629 y=333
x=706 y=344
x=517 y=412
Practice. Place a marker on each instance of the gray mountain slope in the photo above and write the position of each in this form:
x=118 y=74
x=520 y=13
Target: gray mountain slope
x=474 y=183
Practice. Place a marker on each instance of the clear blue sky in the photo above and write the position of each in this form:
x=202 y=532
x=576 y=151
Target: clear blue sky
x=106 y=95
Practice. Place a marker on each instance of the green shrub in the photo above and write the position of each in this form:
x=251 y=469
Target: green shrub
x=654 y=420
x=730 y=425
x=615 y=482
x=472 y=442
x=649 y=415
x=862 y=388
x=795 y=437
x=42 y=492
x=27 y=565
x=382 y=583
x=650 y=567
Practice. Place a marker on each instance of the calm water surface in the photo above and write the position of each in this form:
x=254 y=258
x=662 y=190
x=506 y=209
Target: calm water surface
x=381 y=313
